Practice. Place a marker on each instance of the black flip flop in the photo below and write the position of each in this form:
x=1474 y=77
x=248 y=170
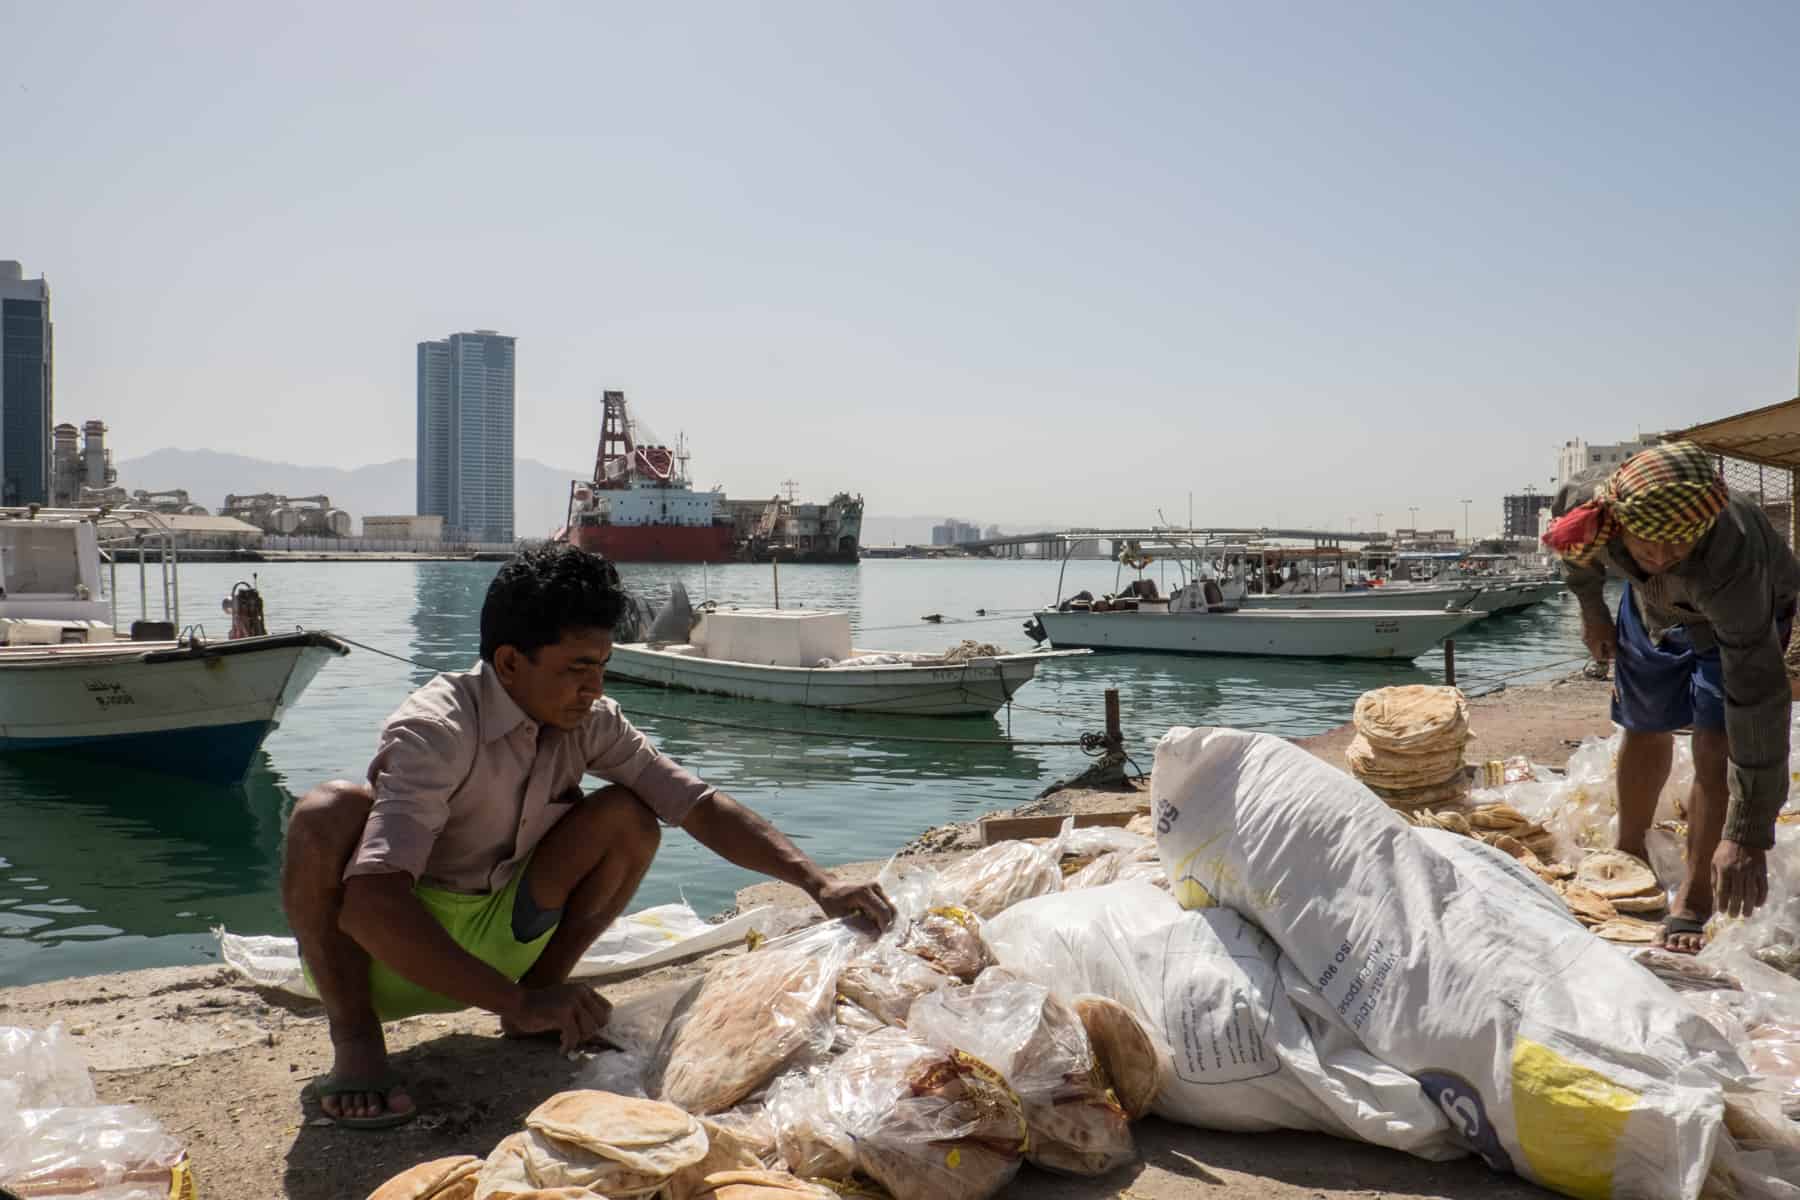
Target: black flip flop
x=1675 y=924
x=330 y=1085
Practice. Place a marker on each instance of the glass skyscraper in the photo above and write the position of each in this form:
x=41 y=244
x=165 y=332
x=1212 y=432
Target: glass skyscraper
x=465 y=435
x=25 y=387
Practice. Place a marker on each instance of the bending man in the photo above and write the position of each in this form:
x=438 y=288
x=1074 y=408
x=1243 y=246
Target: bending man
x=1707 y=608
x=470 y=871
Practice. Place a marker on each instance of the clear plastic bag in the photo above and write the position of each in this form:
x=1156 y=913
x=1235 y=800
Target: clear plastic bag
x=992 y=880
x=926 y=1124
x=885 y=980
x=1038 y=1043
x=950 y=938
x=119 y=1152
x=1086 y=844
x=810 y=1140
x=44 y=1069
x=750 y=1017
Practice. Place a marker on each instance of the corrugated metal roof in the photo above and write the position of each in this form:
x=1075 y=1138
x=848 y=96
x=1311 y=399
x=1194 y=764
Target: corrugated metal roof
x=1770 y=436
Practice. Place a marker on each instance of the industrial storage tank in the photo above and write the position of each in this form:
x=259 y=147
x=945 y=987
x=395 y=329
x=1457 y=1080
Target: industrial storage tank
x=283 y=520
x=339 y=522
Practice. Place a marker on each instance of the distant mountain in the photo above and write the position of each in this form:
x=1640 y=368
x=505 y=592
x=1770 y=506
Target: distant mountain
x=540 y=492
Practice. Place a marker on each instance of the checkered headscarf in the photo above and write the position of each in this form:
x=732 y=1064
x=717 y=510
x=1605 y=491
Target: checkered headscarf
x=1670 y=493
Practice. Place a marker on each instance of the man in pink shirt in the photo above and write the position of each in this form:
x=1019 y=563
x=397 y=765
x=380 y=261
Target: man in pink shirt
x=470 y=870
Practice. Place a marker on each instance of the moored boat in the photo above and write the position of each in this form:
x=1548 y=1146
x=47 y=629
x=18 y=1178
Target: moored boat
x=804 y=657
x=182 y=704
x=1283 y=633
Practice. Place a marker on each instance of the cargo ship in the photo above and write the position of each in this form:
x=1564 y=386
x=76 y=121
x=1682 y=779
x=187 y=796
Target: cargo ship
x=781 y=529
x=641 y=506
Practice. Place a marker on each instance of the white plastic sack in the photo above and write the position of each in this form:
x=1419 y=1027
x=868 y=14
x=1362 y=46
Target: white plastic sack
x=1209 y=984
x=1552 y=1054
x=636 y=942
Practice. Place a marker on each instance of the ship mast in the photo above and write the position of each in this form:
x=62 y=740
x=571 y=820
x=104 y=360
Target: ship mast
x=616 y=444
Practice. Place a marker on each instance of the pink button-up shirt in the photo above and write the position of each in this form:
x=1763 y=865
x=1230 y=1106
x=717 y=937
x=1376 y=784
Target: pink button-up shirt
x=466 y=784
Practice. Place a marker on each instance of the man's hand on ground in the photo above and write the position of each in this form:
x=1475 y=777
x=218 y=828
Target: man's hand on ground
x=1740 y=879
x=574 y=1011
x=1601 y=638
x=857 y=899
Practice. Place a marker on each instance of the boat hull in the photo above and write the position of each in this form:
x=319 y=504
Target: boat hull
x=655 y=543
x=196 y=711
x=1372 y=599
x=1309 y=633
x=976 y=688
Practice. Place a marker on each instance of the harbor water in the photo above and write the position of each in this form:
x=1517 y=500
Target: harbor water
x=107 y=870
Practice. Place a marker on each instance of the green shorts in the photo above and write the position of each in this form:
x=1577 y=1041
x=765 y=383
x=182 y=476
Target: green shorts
x=481 y=925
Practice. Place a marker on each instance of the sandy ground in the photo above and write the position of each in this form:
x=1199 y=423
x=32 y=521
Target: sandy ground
x=222 y=1065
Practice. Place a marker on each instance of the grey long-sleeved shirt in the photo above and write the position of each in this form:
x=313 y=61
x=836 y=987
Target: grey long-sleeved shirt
x=1729 y=593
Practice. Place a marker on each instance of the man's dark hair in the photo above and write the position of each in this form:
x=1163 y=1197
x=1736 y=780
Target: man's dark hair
x=541 y=594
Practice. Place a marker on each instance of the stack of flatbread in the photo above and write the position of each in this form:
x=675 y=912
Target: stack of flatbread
x=440 y=1179
x=1610 y=891
x=1409 y=744
x=609 y=1145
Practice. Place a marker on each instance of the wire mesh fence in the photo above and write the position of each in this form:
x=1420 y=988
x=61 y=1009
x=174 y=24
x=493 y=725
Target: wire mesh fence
x=1771 y=488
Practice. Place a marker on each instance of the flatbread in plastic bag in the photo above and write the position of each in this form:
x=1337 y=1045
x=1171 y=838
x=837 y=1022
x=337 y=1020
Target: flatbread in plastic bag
x=950 y=938
x=751 y=1016
x=1038 y=1043
x=1136 y=1060
x=928 y=1124
x=992 y=880
x=885 y=980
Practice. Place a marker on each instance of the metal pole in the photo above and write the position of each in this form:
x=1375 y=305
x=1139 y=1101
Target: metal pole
x=143 y=584
x=1115 y=736
x=775 y=566
x=175 y=581
x=1450 y=662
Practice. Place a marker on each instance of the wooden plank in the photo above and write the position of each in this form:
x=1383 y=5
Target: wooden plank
x=1013 y=829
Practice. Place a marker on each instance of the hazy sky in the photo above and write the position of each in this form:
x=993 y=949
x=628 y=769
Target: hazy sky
x=1008 y=261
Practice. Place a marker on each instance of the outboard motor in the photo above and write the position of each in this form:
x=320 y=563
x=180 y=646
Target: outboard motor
x=1034 y=629
x=245 y=608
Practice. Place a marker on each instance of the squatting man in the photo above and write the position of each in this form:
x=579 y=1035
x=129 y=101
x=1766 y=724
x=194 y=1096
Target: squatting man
x=470 y=870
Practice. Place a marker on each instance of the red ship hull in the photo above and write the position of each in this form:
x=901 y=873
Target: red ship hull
x=656 y=543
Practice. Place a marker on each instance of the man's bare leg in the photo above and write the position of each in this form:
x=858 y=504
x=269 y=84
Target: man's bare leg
x=590 y=866
x=1644 y=760
x=322 y=834
x=1706 y=825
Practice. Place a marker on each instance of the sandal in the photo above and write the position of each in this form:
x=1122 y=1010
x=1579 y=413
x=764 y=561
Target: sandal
x=329 y=1085
x=1678 y=924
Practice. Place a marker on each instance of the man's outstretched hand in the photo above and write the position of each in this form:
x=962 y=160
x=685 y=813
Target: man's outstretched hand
x=1740 y=879
x=573 y=1011
x=865 y=900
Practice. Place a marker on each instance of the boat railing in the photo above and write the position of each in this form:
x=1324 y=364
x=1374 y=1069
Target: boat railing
x=117 y=532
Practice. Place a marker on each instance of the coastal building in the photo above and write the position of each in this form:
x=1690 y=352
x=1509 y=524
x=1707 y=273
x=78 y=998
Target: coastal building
x=1576 y=456
x=465 y=434
x=953 y=531
x=26 y=393
x=1520 y=513
x=404 y=528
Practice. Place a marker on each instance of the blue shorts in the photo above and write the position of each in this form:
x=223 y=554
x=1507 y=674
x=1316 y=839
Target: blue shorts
x=1659 y=687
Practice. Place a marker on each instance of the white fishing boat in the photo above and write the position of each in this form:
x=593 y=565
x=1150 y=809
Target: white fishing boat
x=1382 y=599
x=802 y=656
x=1292 y=633
x=183 y=703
